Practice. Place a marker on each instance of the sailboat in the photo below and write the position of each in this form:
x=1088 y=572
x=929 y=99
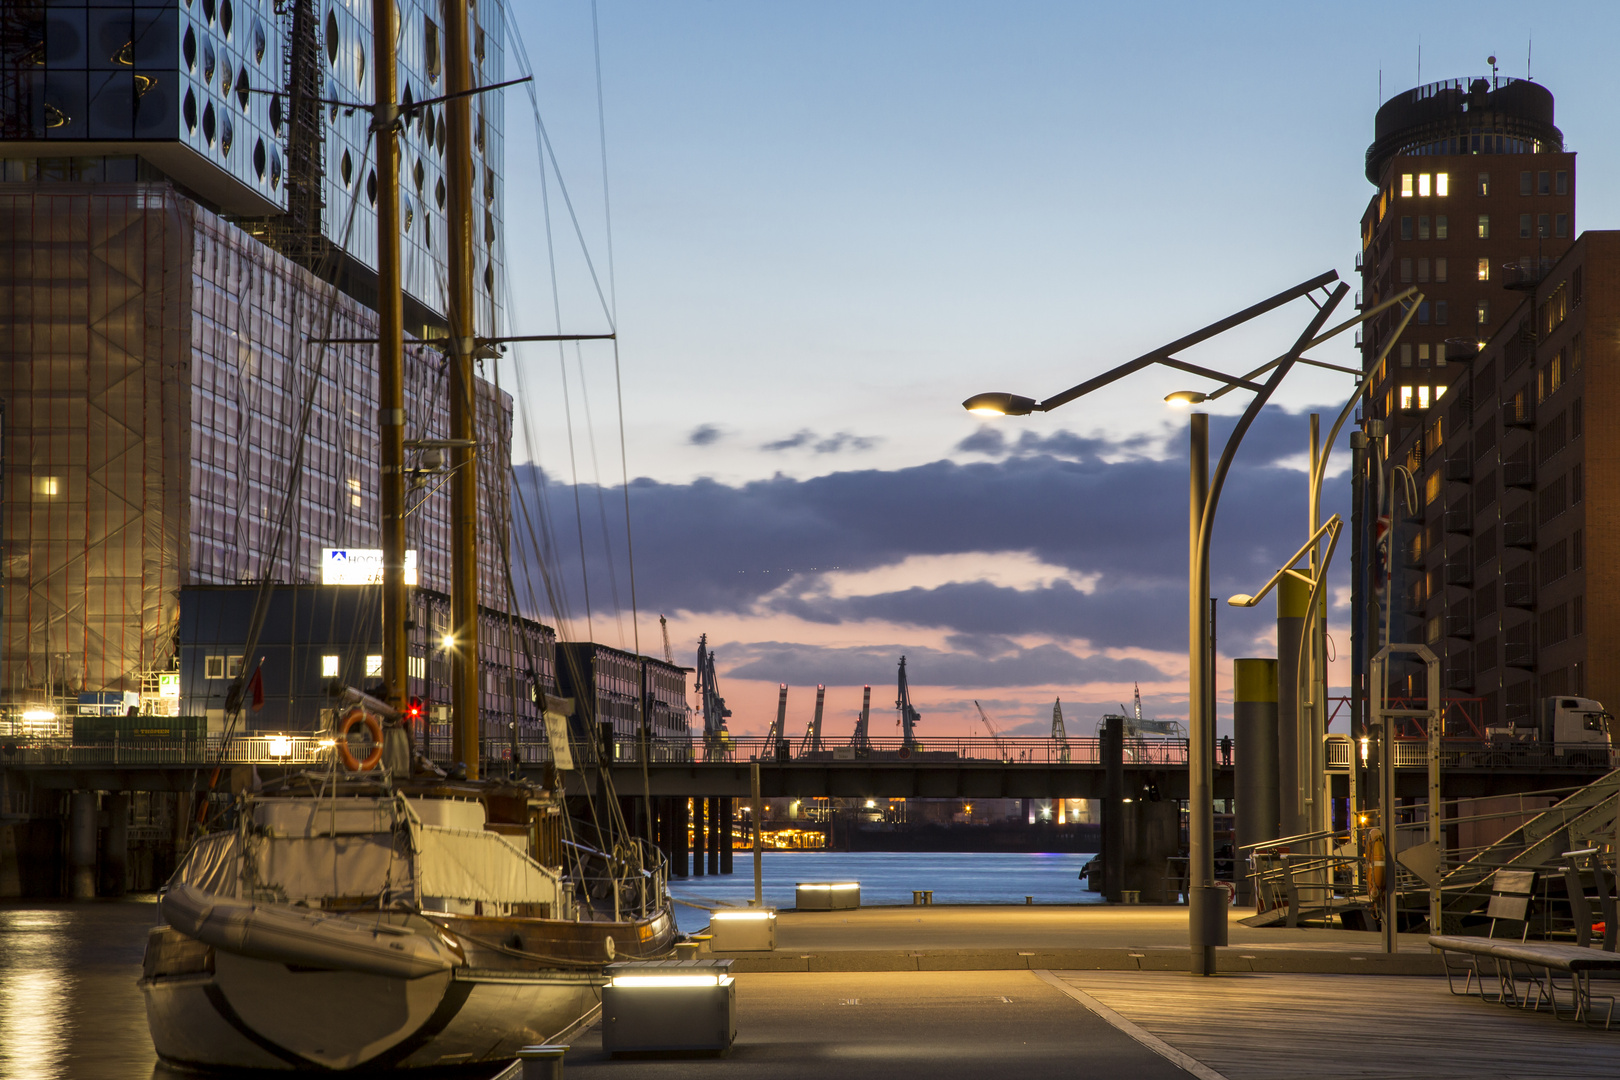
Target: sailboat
x=376 y=914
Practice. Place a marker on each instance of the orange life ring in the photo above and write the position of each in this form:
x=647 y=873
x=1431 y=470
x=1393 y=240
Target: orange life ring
x=372 y=726
x=1375 y=863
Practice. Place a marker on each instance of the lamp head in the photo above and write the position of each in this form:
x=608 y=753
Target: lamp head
x=1241 y=600
x=1181 y=399
x=999 y=404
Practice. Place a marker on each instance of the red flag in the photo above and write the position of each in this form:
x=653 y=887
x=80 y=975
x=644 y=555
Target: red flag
x=256 y=688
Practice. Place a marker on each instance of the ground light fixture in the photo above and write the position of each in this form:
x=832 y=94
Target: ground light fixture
x=669 y=1005
x=826 y=895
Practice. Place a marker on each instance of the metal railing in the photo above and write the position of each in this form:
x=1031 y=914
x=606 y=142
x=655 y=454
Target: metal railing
x=1470 y=754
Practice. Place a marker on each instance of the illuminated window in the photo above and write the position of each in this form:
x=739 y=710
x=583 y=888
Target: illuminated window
x=1484 y=226
x=1440 y=270
x=1406 y=397
x=233 y=666
x=1484 y=269
x=1423 y=397
x=1440 y=350
x=1423 y=184
x=1423 y=356
x=374 y=666
x=1406 y=185
x=1440 y=228
x=1484 y=312
x=1484 y=183
x=418 y=667
x=47 y=487
x=329 y=667
x=1442 y=183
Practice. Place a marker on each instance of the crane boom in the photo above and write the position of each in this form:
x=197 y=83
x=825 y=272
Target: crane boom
x=812 y=737
x=715 y=712
x=669 y=654
x=907 y=717
x=860 y=740
x=995 y=733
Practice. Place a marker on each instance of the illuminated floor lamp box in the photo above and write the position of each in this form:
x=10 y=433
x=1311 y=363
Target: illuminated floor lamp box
x=827 y=895
x=742 y=930
x=669 y=1005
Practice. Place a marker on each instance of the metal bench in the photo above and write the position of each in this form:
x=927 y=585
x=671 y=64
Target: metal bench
x=1511 y=892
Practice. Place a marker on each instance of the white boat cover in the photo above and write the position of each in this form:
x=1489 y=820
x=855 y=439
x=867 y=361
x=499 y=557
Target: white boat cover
x=462 y=864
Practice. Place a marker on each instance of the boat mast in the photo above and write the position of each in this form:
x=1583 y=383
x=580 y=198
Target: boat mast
x=390 y=355
x=466 y=743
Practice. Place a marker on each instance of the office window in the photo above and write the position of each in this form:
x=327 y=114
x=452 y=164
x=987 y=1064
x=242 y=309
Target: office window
x=1577 y=548
x=1577 y=609
x=1484 y=187
x=1423 y=183
x=1484 y=312
x=1423 y=355
x=1440 y=350
x=1406 y=185
x=1406 y=356
x=1406 y=397
x=1406 y=271
x=1440 y=227
x=214 y=667
x=1423 y=397
x=233 y=666
x=1484 y=226
x=329 y=667
x=1524 y=183
x=1524 y=226
x=1423 y=227
x=1442 y=183
x=1440 y=314
x=1577 y=484
x=1440 y=268
x=1423 y=314
x=1406 y=227
x=1561 y=226
x=1562 y=177
x=374 y=666
x=1423 y=268
x=418 y=666
x=1543 y=183
x=1543 y=225
x=1484 y=269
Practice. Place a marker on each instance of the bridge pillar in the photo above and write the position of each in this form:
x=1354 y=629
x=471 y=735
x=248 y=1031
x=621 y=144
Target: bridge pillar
x=1112 y=745
x=678 y=837
x=82 y=846
x=700 y=835
x=714 y=835
x=115 y=856
x=727 y=841
x=1254 y=780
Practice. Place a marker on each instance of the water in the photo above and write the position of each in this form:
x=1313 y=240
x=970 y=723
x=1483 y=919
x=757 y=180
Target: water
x=888 y=877
x=70 y=1009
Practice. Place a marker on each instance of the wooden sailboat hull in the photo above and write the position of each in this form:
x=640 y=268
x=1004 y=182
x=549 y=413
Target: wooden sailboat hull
x=246 y=1013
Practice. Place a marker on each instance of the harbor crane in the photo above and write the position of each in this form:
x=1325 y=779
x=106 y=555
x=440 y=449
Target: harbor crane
x=778 y=733
x=995 y=733
x=1059 y=736
x=669 y=654
x=907 y=717
x=715 y=713
x=860 y=740
x=812 y=737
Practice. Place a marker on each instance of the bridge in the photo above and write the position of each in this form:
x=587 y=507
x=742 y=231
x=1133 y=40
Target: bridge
x=972 y=767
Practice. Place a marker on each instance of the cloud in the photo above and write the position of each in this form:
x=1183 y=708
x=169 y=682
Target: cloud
x=1078 y=539
x=704 y=435
x=1040 y=665
x=832 y=444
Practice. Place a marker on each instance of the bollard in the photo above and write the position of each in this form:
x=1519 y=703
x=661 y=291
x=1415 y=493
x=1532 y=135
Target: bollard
x=916 y=898
x=542 y=1062
x=928 y=897
x=1028 y=900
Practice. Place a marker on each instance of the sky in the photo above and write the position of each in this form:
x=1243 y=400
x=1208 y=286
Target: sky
x=818 y=227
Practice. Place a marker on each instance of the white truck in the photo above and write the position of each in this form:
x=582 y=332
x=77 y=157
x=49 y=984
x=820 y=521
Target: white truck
x=1576 y=729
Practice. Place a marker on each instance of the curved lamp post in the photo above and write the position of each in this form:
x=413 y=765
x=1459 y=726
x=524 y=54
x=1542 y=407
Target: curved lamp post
x=1207 y=914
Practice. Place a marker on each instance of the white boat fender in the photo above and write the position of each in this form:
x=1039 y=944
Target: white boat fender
x=285 y=934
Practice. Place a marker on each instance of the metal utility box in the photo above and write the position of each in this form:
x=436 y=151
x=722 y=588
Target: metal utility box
x=827 y=895
x=742 y=930
x=669 y=1005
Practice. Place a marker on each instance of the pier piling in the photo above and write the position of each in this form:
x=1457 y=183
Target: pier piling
x=82 y=846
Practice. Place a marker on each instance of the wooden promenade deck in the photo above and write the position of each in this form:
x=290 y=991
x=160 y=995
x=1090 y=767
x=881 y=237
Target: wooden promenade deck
x=1347 y=1027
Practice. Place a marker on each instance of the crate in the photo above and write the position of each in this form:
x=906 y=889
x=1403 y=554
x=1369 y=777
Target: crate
x=669 y=1005
x=827 y=895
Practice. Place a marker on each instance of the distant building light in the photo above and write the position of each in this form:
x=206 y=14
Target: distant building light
x=39 y=716
x=280 y=746
x=329 y=667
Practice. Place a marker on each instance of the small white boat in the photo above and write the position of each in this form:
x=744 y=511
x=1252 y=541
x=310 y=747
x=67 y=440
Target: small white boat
x=376 y=932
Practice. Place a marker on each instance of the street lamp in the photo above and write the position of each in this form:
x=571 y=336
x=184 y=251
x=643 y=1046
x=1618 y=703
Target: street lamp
x=1207 y=907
